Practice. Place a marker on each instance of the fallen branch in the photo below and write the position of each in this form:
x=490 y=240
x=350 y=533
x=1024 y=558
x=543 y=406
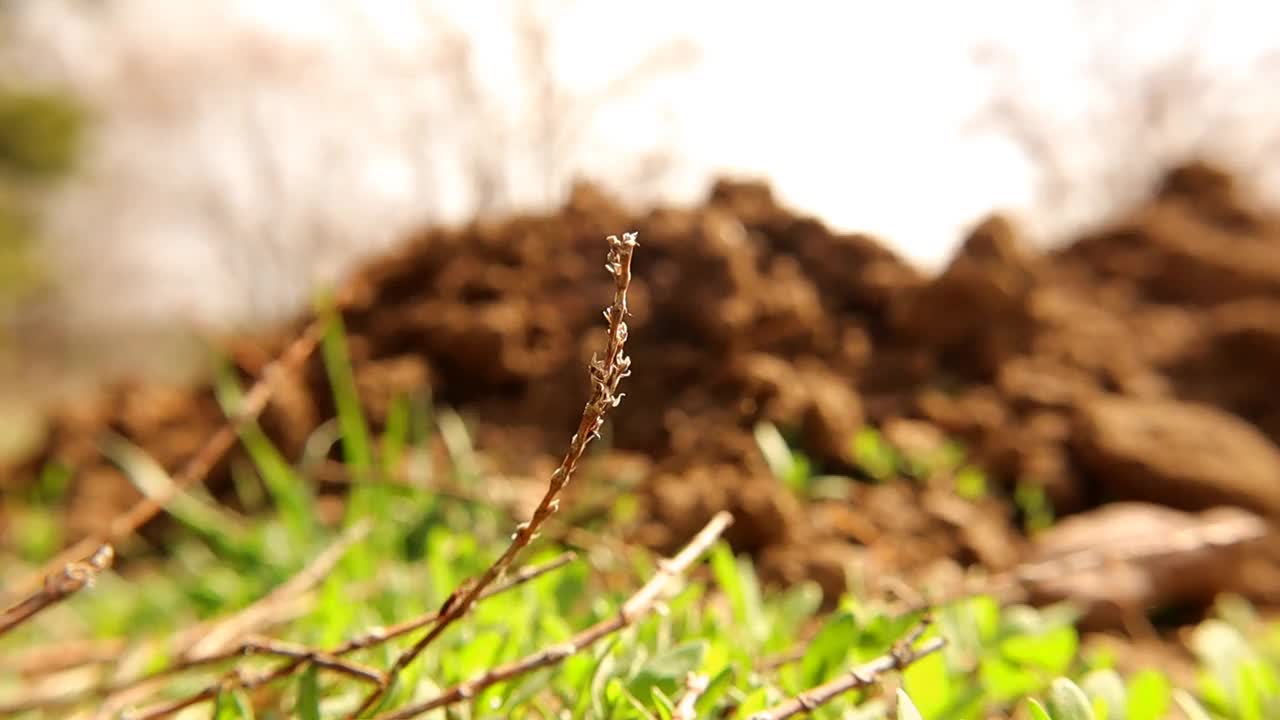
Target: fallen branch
x=865 y=675
x=198 y=467
x=606 y=376
x=636 y=607
x=73 y=577
x=303 y=654
x=370 y=639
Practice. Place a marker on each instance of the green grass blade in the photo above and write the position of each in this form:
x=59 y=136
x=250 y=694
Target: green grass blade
x=291 y=495
x=308 y=705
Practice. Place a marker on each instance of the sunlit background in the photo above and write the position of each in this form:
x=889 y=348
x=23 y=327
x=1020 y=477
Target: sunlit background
x=235 y=154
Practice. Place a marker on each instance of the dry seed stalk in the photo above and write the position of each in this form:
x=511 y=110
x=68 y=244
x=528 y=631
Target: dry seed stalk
x=606 y=376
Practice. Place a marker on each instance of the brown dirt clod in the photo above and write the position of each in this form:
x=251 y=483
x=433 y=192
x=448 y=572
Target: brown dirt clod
x=1138 y=362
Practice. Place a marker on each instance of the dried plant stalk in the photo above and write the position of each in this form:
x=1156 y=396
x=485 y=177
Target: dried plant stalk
x=606 y=376
x=636 y=607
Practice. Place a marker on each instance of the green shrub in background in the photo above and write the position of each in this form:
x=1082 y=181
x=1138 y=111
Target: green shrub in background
x=40 y=136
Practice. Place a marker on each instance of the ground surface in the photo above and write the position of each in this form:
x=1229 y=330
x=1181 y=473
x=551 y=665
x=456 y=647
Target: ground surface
x=1137 y=364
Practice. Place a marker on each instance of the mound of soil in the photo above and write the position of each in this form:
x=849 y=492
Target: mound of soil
x=1137 y=363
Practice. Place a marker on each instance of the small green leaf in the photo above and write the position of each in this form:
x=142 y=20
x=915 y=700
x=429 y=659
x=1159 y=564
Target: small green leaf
x=738 y=580
x=665 y=706
x=873 y=455
x=930 y=683
x=483 y=651
x=232 y=705
x=291 y=495
x=1037 y=711
x=716 y=689
x=309 y=694
x=1148 y=697
x=907 y=709
x=667 y=671
x=826 y=654
x=1006 y=681
x=754 y=703
x=1051 y=651
x=1105 y=688
x=528 y=688
x=970 y=483
x=1219 y=645
x=1068 y=702
x=1248 y=693
x=599 y=685
x=623 y=696
x=1190 y=706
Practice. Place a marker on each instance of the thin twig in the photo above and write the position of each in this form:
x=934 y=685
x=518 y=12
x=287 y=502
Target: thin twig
x=73 y=577
x=606 y=376
x=297 y=655
x=687 y=707
x=199 y=466
x=58 y=657
x=636 y=607
x=368 y=640
x=302 y=653
x=900 y=657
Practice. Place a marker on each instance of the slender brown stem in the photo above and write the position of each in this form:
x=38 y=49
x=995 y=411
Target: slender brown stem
x=73 y=577
x=636 y=607
x=606 y=376
x=197 y=468
x=903 y=654
x=302 y=653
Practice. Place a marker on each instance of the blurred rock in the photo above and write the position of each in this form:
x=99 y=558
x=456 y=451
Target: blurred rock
x=1124 y=559
x=1182 y=454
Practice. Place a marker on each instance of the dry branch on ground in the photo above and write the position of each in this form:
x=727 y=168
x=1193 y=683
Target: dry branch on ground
x=58 y=586
x=903 y=654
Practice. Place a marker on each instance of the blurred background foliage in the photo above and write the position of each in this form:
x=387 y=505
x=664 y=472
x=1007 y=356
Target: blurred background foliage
x=40 y=136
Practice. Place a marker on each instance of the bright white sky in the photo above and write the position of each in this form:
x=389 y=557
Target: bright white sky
x=856 y=111
x=244 y=148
